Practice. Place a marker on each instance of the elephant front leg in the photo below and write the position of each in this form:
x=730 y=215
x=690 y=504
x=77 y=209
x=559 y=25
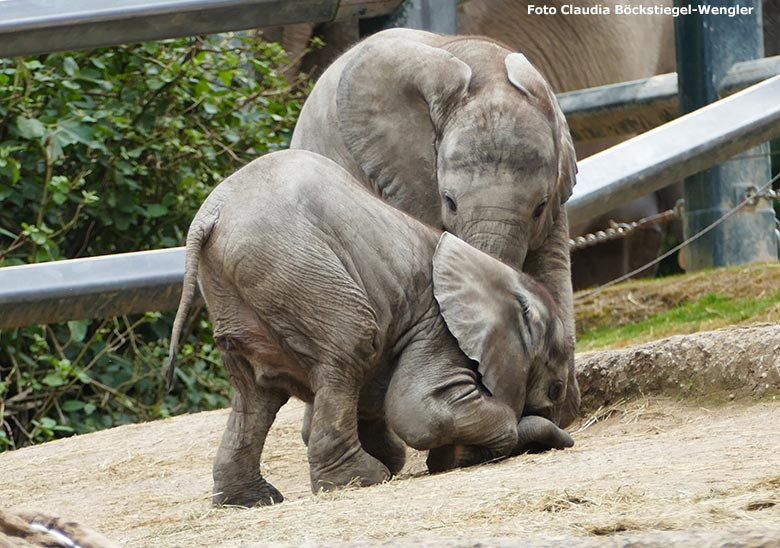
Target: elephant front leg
x=534 y=434
x=336 y=457
x=236 y=471
x=482 y=430
x=448 y=414
x=447 y=457
x=306 y=426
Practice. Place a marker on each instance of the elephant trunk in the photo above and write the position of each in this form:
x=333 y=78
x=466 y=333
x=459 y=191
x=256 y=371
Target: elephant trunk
x=536 y=434
x=502 y=239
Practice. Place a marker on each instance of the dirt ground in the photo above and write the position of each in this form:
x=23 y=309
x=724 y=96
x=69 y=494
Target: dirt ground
x=696 y=467
x=652 y=470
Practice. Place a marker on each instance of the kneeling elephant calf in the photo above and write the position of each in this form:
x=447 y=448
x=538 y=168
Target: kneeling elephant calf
x=389 y=328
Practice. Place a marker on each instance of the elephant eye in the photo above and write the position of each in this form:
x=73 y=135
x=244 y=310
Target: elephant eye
x=540 y=209
x=452 y=205
x=555 y=391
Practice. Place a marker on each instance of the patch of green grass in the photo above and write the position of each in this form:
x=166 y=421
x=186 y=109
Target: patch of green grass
x=712 y=308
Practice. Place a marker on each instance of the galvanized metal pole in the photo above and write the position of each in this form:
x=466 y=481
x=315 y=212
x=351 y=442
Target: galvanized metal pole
x=432 y=15
x=709 y=42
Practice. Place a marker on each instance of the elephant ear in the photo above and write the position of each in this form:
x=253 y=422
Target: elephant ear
x=567 y=156
x=391 y=101
x=497 y=321
x=529 y=81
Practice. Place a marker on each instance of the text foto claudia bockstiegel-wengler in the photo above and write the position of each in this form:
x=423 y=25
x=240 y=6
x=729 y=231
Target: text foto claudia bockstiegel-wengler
x=629 y=9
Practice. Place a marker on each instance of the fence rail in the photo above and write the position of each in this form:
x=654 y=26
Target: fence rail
x=151 y=280
x=675 y=150
x=38 y=26
x=29 y=27
x=639 y=105
x=93 y=287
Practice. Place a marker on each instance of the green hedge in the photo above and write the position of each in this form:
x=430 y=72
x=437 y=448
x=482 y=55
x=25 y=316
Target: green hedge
x=113 y=150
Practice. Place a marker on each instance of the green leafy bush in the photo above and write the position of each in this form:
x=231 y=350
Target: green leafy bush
x=113 y=150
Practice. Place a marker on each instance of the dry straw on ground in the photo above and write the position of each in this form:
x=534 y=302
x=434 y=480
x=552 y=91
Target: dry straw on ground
x=647 y=467
x=645 y=471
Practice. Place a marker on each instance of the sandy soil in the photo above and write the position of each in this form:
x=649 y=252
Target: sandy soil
x=653 y=471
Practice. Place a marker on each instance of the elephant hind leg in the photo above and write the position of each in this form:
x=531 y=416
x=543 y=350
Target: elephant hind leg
x=375 y=438
x=336 y=457
x=236 y=471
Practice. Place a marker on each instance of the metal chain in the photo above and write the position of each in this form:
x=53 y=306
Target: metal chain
x=617 y=230
x=751 y=197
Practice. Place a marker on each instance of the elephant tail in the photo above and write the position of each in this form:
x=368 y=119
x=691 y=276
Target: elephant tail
x=199 y=233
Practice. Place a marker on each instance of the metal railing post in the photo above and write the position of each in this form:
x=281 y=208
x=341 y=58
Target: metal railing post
x=708 y=44
x=432 y=15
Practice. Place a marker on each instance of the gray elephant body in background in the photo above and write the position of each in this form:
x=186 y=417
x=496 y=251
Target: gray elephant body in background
x=465 y=136
x=577 y=52
x=572 y=52
x=319 y=290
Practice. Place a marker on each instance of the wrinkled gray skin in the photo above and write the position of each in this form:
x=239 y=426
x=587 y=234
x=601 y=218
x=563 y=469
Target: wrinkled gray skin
x=570 y=51
x=389 y=329
x=577 y=52
x=463 y=135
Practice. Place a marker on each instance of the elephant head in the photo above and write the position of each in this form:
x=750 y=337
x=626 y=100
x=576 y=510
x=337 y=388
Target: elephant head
x=507 y=323
x=461 y=133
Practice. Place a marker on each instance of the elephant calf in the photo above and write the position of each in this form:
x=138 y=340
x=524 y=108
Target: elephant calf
x=389 y=328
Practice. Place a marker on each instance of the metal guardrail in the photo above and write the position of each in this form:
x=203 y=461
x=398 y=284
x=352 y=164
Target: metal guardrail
x=29 y=27
x=718 y=44
x=675 y=150
x=92 y=287
x=151 y=280
x=38 y=26
x=640 y=105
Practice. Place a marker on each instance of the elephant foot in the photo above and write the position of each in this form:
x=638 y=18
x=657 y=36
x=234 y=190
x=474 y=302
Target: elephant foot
x=359 y=468
x=448 y=457
x=383 y=445
x=255 y=493
x=393 y=457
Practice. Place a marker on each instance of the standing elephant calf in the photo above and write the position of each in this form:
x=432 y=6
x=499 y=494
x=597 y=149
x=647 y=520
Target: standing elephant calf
x=462 y=134
x=319 y=290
